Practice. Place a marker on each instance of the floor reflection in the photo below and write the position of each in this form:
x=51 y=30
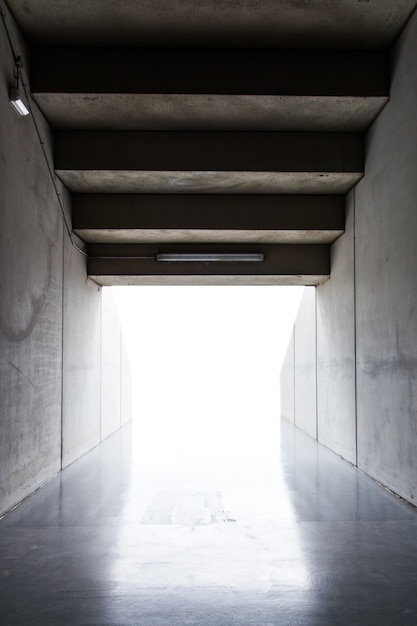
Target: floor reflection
x=300 y=538
x=209 y=528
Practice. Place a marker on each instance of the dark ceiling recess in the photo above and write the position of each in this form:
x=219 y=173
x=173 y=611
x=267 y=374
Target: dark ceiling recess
x=213 y=128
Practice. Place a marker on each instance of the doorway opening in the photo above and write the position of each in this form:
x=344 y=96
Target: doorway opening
x=205 y=367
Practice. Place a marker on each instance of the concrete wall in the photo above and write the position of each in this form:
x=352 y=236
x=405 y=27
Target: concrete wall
x=287 y=383
x=111 y=366
x=336 y=348
x=386 y=284
x=126 y=382
x=299 y=370
x=116 y=376
x=305 y=380
x=50 y=314
x=30 y=302
x=367 y=311
x=81 y=424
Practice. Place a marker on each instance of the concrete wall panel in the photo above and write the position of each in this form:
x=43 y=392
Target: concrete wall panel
x=82 y=358
x=30 y=301
x=50 y=313
x=367 y=312
x=287 y=383
x=336 y=348
x=386 y=284
x=111 y=358
x=305 y=360
x=126 y=383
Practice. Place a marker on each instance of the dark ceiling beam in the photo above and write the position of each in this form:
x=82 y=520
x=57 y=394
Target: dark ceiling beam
x=136 y=264
x=201 y=89
x=207 y=211
x=203 y=71
x=143 y=218
x=209 y=151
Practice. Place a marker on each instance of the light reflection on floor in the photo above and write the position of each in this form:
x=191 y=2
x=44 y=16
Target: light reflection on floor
x=209 y=525
x=299 y=540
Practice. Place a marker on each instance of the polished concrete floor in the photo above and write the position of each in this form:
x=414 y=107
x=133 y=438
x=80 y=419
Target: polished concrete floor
x=308 y=541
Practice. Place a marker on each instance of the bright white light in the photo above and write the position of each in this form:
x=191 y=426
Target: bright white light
x=206 y=484
x=209 y=257
x=206 y=363
x=18 y=104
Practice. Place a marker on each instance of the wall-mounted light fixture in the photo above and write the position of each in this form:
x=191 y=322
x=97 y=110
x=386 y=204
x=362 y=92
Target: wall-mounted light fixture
x=18 y=103
x=17 y=99
x=211 y=257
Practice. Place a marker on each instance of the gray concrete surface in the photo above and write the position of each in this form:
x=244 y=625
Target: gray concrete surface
x=309 y=541
x=126 y=385
x=201 y=89
x=225 y=279
x=195 y=182
x=368 y=307
x=111 y=365
x=287 y=383
x=343 y=24
x=386 y=286
x=175 y=112
x=209 y=235
x=30 y=303
x=181 y=279
x=336 y=401
x=49 y=310
x=305 y=359
x=208 y=162
x=81 y=419
x=137 y=262
x=32 y=273
x=161 y=218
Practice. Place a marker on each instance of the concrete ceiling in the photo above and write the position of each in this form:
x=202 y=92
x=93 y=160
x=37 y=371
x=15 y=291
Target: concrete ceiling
x=337 y=24
x=209 y=127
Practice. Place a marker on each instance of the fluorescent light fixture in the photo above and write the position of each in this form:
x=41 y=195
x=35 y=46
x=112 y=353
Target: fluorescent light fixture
x=18 y=103
x=211 y=257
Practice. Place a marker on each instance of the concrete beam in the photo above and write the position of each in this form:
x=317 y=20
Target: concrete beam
x=210 y=280
x=206 y=112
x=208 y=161
x=178 y=89
x=209 y=151
x=142 y=218
x=269 y=24
x=215 y=72
x=136 y=264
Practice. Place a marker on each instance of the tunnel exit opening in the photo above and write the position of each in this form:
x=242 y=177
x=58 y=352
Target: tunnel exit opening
x=205 y=367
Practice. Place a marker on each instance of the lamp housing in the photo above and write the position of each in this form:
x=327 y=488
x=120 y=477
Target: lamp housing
x=18 y=103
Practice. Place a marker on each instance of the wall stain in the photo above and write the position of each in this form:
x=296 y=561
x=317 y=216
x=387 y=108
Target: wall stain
x=399 y=364
x=396 y=366
x=37 y=306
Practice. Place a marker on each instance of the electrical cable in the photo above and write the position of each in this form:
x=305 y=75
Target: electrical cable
x=16 y=59
x=18 y=69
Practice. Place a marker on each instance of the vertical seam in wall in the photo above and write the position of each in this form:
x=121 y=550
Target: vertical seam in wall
x=355 y=326
x=62 y=345
x=317 y=398
x=101 y=362
x=293 y=376
x=120 y=376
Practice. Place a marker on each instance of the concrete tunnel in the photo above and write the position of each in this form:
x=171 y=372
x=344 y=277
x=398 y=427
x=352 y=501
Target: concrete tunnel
x=217 y=145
